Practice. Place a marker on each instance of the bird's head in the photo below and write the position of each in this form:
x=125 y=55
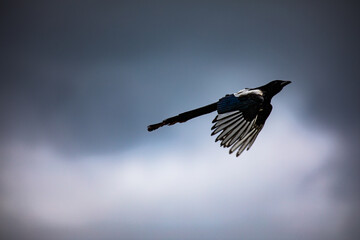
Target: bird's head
x=274 y=87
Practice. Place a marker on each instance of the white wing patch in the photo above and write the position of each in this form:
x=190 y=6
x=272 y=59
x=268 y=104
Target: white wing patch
x=246 y=91
x=236 y=132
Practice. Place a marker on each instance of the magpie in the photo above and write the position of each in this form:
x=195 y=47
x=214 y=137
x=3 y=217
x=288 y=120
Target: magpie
x=240 y=118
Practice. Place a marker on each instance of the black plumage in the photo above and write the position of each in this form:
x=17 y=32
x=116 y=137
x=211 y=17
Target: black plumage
x=241 y=115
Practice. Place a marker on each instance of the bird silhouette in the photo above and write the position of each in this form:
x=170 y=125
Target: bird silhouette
x=240 y=118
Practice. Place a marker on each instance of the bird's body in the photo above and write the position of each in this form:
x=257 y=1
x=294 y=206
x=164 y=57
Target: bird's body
x=241 y=115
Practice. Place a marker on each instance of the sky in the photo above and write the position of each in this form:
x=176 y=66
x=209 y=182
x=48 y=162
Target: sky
x=81 y=80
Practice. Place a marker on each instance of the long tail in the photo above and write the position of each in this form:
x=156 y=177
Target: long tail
x=183 y=117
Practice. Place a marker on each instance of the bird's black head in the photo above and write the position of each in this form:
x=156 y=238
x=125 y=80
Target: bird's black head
x=273 y=87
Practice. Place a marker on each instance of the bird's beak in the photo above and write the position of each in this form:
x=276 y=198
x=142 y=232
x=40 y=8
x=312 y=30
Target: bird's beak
x=284 y=83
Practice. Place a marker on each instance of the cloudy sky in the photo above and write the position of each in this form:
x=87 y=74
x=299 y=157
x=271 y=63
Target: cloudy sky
x=81 y=80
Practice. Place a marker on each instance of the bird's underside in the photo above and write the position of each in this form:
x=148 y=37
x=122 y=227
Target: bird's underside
x=240 y=118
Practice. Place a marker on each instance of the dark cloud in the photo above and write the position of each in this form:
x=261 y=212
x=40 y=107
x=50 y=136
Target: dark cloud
x=76 y=64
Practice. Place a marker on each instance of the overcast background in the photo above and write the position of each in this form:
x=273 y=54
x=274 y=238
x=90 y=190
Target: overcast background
x=81 y=80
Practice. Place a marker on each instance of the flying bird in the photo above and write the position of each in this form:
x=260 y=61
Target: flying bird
x=240 y=118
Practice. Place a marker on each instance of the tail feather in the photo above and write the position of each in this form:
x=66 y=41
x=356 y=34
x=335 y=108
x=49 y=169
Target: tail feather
x=183 y=117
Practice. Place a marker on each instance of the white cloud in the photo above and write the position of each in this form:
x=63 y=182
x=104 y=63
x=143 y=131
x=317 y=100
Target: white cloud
x=177 y=187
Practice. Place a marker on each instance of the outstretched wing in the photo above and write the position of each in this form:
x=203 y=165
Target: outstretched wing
x=240 y=120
